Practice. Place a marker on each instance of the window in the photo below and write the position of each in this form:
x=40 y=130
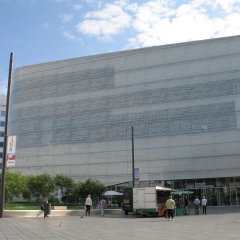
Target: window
x=1 y=144
x=2 y=124
x=3 y=113
x=1 y=134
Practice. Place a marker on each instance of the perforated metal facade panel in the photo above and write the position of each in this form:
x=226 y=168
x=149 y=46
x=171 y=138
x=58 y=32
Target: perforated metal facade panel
x=75 y=116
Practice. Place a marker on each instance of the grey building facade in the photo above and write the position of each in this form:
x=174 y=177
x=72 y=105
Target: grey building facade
x=75 y=117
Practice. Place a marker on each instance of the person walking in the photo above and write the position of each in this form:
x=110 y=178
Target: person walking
x=170 y=206
x=46 y=207
x=196 y=203
x=186 y=205
x=204 y=205
x=88 y=205
x=102 y=204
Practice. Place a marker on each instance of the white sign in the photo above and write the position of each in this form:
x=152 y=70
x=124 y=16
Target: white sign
x=11 y=159
x=11 y=145
x=11 y=151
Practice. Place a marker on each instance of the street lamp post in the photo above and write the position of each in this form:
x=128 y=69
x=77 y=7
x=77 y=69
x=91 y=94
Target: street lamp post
x=2 y=197
x=133 y=173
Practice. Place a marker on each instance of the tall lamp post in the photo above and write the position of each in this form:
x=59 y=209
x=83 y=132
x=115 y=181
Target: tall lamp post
x=2 y=197
x=133 y=173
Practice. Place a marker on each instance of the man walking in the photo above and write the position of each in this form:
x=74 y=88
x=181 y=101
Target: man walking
x=196 y=203
x=102 y=204
x=46 y=207
x=204 y=205
x=170 y=206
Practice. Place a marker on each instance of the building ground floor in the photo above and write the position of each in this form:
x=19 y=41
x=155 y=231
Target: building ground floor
x=218 y=191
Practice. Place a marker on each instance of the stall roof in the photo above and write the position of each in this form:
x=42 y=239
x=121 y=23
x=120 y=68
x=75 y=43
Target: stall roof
x=163 y=188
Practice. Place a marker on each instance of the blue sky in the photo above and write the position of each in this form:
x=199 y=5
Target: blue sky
x=48 y=30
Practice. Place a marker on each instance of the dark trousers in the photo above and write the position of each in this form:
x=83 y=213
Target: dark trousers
x=170 y=213
x=204 y=209
x=46 y=210
x=196 y=209
x=88 y=207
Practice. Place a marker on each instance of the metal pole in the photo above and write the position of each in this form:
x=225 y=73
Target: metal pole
x=2 y=197
x=133 y=174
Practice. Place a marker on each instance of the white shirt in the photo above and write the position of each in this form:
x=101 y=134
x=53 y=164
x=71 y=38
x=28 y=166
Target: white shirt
x=88 y=201
x=196 y=201
x=204 y=202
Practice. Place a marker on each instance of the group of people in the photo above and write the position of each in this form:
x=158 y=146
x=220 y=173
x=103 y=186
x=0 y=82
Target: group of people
x=171 y=205
x=88 y=204
x=197 y=204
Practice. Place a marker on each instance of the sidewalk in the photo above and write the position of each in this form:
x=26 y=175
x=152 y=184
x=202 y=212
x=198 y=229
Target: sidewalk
x=109 y=212
x=218 y=210
x=215 y=226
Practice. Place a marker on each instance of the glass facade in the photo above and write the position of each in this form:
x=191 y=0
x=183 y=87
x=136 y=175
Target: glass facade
x=75 y=116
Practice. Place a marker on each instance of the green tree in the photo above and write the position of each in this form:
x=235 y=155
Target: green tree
x=66 y=186
x=40 y=186
x=92 y=187
x=15 y=185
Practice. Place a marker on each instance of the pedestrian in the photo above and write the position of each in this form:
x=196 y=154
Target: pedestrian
x=186 y=205
x=88 y=205
x=45 y=207
x=170 y=206
x=102 y=204
x=204 y=205
x=196 y=203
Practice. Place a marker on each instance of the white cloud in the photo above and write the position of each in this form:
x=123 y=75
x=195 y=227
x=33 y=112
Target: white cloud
x=226 y=5
x=106 y=22
x=77 y=7
x=157 y=22
x=66 y=17
x=231 y=26
x=71 y=37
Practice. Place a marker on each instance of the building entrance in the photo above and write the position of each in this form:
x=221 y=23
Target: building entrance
x=219 y=196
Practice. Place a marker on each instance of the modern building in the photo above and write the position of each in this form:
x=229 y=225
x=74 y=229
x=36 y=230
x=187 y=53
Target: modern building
x=2 y=125
x=183 y=100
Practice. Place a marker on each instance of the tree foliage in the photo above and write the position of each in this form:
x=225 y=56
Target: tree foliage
x=66 y=186
x=40 y=186
x=15 y=185
x=92 y=187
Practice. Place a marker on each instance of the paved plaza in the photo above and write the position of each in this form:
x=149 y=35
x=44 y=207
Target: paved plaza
x=215 y=226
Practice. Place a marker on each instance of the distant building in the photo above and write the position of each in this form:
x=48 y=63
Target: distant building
x=75 y=117
x=2 y=125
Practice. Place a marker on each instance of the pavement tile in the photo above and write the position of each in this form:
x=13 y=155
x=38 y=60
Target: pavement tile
x=215 y=226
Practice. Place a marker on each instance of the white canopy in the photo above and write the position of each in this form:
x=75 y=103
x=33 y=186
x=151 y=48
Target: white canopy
x=112 y=193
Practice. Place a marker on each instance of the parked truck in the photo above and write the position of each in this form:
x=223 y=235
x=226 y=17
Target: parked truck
x=146 y=201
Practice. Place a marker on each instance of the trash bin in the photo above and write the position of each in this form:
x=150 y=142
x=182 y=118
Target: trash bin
x=179 y=211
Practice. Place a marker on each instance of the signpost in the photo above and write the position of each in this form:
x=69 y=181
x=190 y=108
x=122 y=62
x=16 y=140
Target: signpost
x=2 y=196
